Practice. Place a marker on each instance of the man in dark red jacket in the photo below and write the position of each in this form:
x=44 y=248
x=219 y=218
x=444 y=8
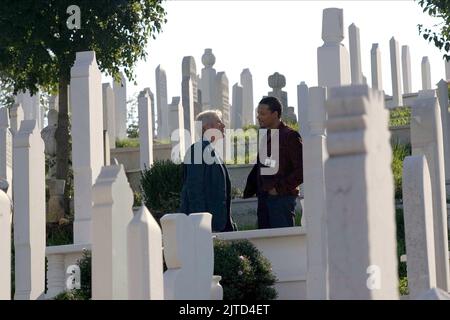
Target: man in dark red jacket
x=277 y=174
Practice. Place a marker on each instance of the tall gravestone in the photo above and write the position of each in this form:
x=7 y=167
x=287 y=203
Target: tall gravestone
x=355 y=54
x=333 y=59
x=120 y=106
x=443 y=104
x=187 y=96
x=395 y=73
x=29 y=212
x=314 y=144
x=111 y=214
x=31 y=107
x=236 y=107
x=406 y=70
x=426 y=74
x=16 y=115
x=208 y=80
x=277 y=82
x=5 y=246
x=375 y=59
x=188 y=252
x=6 y=151
x=162 y=104
x=223 y=97
x=87 y=139
x=247 y=97
x=145 y=129
x=109 y=118
x=303 y=106
x=362 y=246
x=418 y=216
x=145 y=258
x=447 y=69
x=176 y=126
x=426 y=139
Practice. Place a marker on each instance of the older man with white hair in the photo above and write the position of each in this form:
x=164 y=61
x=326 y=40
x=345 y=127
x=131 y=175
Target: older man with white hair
x=207 y=186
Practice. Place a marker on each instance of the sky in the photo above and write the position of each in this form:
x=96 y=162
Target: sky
x=280 y=36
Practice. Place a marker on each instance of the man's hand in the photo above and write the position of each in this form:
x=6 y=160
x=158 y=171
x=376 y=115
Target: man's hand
x=273 y=192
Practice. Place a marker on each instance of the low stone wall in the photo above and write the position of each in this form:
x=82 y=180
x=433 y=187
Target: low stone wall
x=286 y=250
x=284 y=247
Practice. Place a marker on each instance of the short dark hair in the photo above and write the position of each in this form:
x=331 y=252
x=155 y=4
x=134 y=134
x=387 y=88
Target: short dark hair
x=273 y=103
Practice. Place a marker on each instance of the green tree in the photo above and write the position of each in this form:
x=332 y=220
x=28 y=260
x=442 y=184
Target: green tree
x=440 y=33
x=38 y=46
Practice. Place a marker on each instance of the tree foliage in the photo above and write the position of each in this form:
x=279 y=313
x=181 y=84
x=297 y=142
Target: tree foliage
x=37 y=48
x=438 y=34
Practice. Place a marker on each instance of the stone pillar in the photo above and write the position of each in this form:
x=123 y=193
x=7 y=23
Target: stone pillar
x=426 y=74
x=189 y=256
x=277 y=82
x=189 y=94
x=161 y=104
x=406 y=70
x=447 y=69
x=418 y=215
x=56 y=281
x=29 y=212
x=237 y=108
x=314 y=189
x=355 y=54
x=31 y=107
x=303 y=106
x=443 y=104
x=208 y=80
x=375 y=59
x=247 y=97
x=145 y=130
x=426 y=139
x=5 y=246
x=16 y=115
x=145 y=260
x=176 y=127
x=397 y=98
x=87 y=138
x=6 y=151
x=109 y=119
x=53 y=102
x=362 y=246
x=332 y=57
x=223 y=97
x=112 y=212
x=120 y=105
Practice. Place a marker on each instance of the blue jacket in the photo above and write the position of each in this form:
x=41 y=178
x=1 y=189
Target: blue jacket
x=207 y=186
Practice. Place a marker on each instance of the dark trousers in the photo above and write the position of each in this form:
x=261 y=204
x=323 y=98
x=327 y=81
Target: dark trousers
x=276 y=211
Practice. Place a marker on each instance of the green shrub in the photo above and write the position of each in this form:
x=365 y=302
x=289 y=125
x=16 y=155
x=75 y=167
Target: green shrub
x=127 y=143
x=400 y=116
x=403 y=286
x=399 y=152
x=161 y=187
x=59 y=234
x=246 y=273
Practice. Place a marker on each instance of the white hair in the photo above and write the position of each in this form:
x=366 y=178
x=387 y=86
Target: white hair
x=209 y=117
